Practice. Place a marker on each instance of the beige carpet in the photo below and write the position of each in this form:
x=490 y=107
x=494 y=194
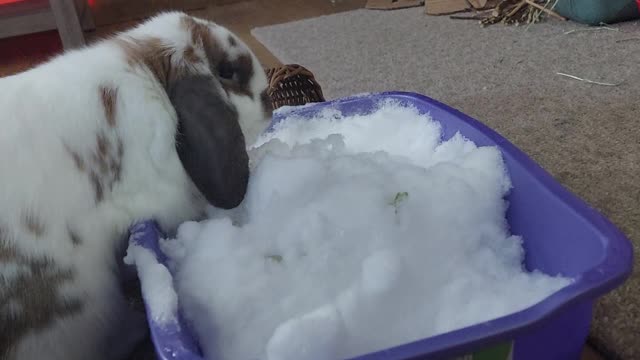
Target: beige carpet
x=587 y=136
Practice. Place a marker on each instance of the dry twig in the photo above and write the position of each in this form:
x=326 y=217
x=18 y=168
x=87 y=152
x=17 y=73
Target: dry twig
x=588 y=81
x=519 y=12
x=628 y=39
x=473 y=17
x=591 y=29
x=544 y=9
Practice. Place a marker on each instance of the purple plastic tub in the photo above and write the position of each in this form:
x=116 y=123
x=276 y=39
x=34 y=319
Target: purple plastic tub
x=562 y=235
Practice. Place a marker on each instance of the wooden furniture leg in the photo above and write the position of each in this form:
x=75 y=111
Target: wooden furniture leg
x=68 y=23
x=69 y=17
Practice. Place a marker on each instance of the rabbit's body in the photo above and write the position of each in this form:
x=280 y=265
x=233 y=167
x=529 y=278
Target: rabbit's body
x=87 y=147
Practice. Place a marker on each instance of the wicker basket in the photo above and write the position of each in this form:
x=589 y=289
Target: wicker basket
x=292 y=85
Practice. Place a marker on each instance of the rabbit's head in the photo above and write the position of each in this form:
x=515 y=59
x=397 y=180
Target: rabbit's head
x=219 y=92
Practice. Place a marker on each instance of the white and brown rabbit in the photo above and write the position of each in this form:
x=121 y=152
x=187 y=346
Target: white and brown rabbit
x=151 y=123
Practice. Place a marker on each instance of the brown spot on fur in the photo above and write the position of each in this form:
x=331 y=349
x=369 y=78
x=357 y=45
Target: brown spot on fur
x=117 y=171
x=102 y=144
x=77 y=160
x=201 y=36
x=106 y=167
x=33 y=223
x=30 y=300
x=73 y=236
x=120 y=148
x=97 y=186
x=116 y=163
x=232 y=41
x=153 y=54
x=7 y=252
x=199 y=32
x=102 y=148
x=109 y=97
x=190 y=55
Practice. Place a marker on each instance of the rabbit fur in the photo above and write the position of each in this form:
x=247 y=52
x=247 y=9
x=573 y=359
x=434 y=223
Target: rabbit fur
x=153 y=122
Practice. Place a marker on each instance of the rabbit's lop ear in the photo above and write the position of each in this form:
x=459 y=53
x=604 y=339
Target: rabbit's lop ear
x=209 y=140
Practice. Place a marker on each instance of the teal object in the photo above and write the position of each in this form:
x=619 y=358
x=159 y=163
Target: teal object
x=596 y=12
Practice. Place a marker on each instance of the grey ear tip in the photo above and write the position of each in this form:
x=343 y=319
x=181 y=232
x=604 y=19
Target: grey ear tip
x=233 y=193
x=228 y=204
x=232 y=198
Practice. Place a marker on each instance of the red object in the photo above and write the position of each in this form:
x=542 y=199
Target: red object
x=4 y=2
x=638 y=3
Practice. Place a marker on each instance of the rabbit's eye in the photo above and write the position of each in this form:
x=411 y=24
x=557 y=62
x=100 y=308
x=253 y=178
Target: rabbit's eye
x=225 y=70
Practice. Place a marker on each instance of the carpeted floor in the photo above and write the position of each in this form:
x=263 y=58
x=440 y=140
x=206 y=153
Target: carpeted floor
x=586 y=135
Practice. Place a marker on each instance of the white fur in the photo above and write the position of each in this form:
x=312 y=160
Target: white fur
x=58 y=104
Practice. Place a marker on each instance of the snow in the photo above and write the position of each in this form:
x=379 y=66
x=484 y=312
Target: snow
x=357 y=234
x=312 y=336
x=156 y=282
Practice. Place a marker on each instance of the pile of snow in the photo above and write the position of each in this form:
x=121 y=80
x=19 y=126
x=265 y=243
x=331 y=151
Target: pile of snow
x=357 y=234
x=156 y=283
